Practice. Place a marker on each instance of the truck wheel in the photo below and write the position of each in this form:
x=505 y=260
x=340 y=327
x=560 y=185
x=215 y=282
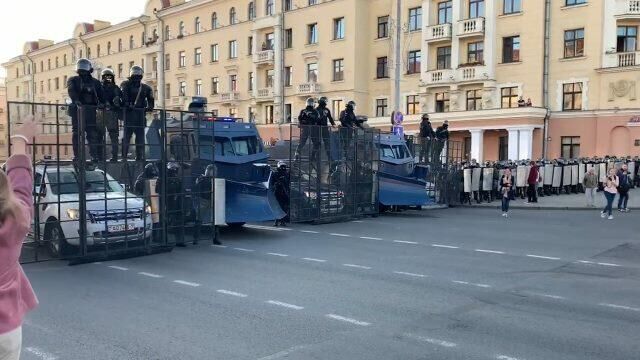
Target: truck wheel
x=53 y=234
x=236 y=225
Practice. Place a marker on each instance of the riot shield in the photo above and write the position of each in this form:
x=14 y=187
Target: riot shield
x=548 y=174
x=566 y=175
x=466 y=173
x=557 y=176
x=574 y=174
x=487 y=179
x=602 y=172
x=582 y=170
x=475 y=179
x=541 y=172
x=521 y=176
x=631 y=165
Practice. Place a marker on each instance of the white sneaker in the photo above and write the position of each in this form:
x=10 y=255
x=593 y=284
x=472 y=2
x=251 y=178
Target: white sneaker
x=603 y=215
x=627 y=210
x=610 y=217
x=506 y=215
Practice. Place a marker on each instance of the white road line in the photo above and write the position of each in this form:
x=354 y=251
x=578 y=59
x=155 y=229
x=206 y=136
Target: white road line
x=370 y=238
x=341 y=235
x=310 y=232
x=232 y=293
x=585 y=262
x=357 y=266
x=155 y=276
x=277 y=254
x=505 y=357
x=621 y=307
x=349 y=320
x=438 y=342
x=314 y=259
x=98 y=263
x=609 y=264
x=445 y=246
x=283 y=304
x=270 y=228
x=485 y=286
x=243 y=249
x=409 y=274
x=40 y=353
x=460 y=282
x=283 y=353
x=489 y=251
x=182 y=282
x=118 y=268
x=405 y=242
x=357 y=221
x=543 y=257
x=220 y=246
x=557 y=297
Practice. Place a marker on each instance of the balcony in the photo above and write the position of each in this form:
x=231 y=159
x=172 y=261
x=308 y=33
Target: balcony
x=471 y=27
x=229 y=97
x=310 y=88
x=440 y=32
x=265 y=94
x=473 y=73
x=443 y=76
x=151 y=75
x=622 y=59
x=179 y=100
x=264 y=57
x=628 y=9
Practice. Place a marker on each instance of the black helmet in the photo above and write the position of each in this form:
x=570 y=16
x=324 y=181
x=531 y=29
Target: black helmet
x=107 y=72
x=282 y=165
x=323 y=101
x=136 y=70
x=173 y=167
x=425 y=117
x=150 y=171
x=351 y=104
x=311 y=102
x=84 y=65
x=209 y=170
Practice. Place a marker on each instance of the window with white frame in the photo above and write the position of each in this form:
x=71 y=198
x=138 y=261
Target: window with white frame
x=215 y=53
x=197 y=56
x=198 y=87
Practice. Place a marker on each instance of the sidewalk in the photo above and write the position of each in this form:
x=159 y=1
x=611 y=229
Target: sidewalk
x=563 y=202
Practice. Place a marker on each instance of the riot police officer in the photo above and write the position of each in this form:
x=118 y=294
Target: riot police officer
x=325 y=118
x=86 y=95
x=108 y=117
x=137 y=99
x=150 y=172
x=204 y=204
x=308 y=122
x=348 y=122
x=442 y=136
x=173 y=204
x=426 y=136
x=281 y=184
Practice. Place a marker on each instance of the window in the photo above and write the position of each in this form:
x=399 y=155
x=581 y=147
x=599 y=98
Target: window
x=627 y=39
x=312 y=33
x=509 y=97
x=251 y=80
x=381 y=107
x=130 y=64
x=183 y=88
x=412 y=105
x=443 y=58
x=49 y=85
x=119 y=45
x=312 y=72
x=198 y=85
x=270 y=7
x=413 y=63
x=338 y=28
x=167 y=90
x=214 y=21
x=288 y=76
x=337 y=107
x=233 y=83
x=383 y=27
x=476 y=9
x=287 y=112
x=167 y=33
x=574 y=43
x=215 y=56
x=511 y=49
x=570 y=147
x=109 y=48
x=56 y=83
x=64 y=60
x=338 y=70
x=120 y=68
x=250 y=45
x=288 y=5
x=270 y=41
x=268 y=114
x=269 y=78
x=181 y=29
x=474 y=100
x=49 y=61
x=503 y=148
x=131 y=44
x=475 y=53
x=442 y=102
x=288 y=38
x=167 y=62
x=575 y=2
x=197 y=56
x=232 y=16
x=142 y=41
x=197 y=26
x=42 y=63
x=215 y=85
x=572 y=96
x=382 y=68
x=182 y=59
x=445 y=12
x=511 y=6
x=233 y=49
x=313 y=2
x=252 y=10
x=415 y=19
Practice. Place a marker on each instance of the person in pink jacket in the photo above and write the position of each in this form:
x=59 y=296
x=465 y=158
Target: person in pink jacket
x=16 y=211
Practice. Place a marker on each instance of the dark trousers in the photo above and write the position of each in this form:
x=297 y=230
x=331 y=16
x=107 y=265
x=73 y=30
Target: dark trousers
x=438 y=146
x=346 y=135
x=88 y=117
x=326 y=140
x=623 y=199
x=532 y=195
x=505 y=203
x=108 y=123
x=425 y=150
x=609 y=197
x=305 y=133
x=134 y=123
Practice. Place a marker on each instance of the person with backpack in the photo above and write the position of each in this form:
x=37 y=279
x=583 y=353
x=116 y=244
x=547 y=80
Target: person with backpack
x=623 y=188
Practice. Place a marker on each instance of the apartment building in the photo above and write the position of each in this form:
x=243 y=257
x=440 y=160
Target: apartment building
x=466 y=61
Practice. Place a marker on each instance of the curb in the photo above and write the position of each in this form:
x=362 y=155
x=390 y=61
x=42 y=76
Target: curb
x=520 y=207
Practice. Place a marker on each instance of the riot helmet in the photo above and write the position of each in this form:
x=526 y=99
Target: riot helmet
x=282 y=165
x=351 y=105
x=446 y=124
x=136 y=72
x=84 y=67
x=323 y=101
x=310 y=102
x=150 y=171
x=108 y=75
x=172 y=168
x=209 y=170
x=425 y=118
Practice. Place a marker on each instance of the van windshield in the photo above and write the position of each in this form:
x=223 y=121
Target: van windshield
x=66 y=182
x=394 y=151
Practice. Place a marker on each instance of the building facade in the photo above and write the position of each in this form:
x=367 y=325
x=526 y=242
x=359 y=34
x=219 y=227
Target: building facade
x=466 y=61
x=3 y=121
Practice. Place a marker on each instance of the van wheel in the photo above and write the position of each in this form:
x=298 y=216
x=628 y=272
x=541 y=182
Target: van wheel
x=236 y=225
x=58 y=246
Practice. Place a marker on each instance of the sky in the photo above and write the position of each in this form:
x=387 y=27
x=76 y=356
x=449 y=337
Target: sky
x=27 y=20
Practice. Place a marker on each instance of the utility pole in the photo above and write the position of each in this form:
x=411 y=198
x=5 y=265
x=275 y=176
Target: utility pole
x=397 y=61
x=160 y=63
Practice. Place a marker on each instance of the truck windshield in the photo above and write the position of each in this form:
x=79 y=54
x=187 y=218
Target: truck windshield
x=66 y=182
x=394 y=151
x=246 y=145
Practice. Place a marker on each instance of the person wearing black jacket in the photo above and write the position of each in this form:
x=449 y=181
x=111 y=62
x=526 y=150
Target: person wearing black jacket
x=204 y=203
x=441 y=136
x=308 y=121
x=324 y=120
x=174 y=208
x=348 y=122
x=149 y=172
x=426 y=136
x=86 y=95
x=137 y=98
x=281 y=183
x=108 y=117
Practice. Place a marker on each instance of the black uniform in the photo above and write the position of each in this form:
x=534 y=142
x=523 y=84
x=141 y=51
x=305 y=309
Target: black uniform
x=348 y=122
x=86 y=94
x=137 y=99
x=308 y=120
x=426 y=136
x=324 y=118
x=108 y=118
x=173 y=204
x=148 y=173
x=442 y=136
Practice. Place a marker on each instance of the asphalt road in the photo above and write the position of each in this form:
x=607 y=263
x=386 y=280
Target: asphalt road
x=445 y=284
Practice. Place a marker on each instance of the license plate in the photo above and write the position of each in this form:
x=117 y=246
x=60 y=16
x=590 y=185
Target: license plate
x=121 y=227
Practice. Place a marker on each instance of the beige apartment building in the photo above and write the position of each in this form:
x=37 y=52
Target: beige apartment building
x=466 y=61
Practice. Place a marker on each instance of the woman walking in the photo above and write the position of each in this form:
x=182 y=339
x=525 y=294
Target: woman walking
x=506 y=185
x=16 y=209
x=610 y=190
